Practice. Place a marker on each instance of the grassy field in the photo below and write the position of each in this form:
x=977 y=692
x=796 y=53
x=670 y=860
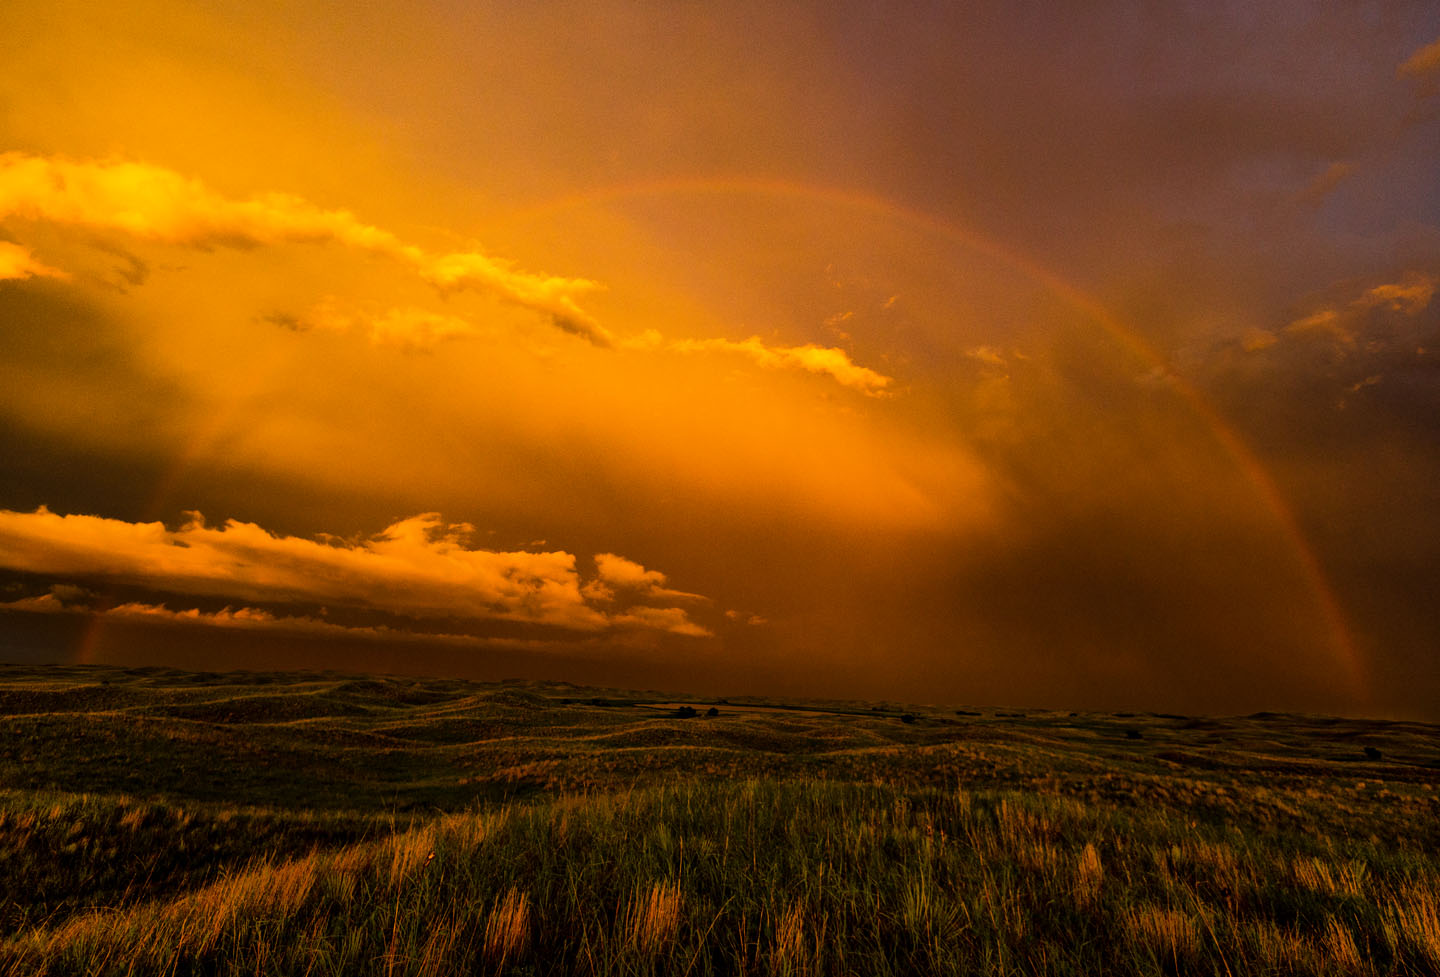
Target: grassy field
x=154 y=821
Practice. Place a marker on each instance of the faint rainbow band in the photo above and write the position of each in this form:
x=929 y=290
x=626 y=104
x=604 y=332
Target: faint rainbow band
x=1342 y=643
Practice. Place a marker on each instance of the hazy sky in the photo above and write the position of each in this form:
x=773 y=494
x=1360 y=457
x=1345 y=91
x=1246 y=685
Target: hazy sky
x=1072 y=355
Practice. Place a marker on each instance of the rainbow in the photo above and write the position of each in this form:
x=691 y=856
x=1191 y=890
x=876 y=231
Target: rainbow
x=1342 y=647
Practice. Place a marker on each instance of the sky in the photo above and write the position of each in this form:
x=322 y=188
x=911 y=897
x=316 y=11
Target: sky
x=1075 y=356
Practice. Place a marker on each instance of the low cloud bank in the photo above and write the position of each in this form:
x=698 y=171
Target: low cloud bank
x=418 y=568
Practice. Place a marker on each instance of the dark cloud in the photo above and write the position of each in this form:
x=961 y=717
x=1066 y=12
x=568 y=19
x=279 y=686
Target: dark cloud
x=1343 y=404
x=70 y=374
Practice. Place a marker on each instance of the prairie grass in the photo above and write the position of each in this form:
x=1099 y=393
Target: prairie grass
x=769 y=877
x=507 y=928
x=652 y=917
x=895 y=849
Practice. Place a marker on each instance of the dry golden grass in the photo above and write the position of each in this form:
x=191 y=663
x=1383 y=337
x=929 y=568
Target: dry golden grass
x=653 y=916
x=1168 y=934
x=408 y=853
x=1089 y=874
x=197 y=923
x=1339 y=948
x=507 y=928
x=791 y=952
x=1414 y=917
x=849 y=843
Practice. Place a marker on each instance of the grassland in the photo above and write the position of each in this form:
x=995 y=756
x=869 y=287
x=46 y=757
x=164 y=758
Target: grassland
x=154 y=821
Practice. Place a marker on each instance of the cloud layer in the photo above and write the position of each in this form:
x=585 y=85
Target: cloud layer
x=153 y=203
x=417 y=568
x=825 y=360
x=830 y=361
x=256 y=620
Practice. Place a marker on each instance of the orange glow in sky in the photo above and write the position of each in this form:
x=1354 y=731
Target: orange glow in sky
x=975 y=355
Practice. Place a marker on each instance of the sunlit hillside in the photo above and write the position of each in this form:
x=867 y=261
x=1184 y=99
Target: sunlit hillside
x=155 y=821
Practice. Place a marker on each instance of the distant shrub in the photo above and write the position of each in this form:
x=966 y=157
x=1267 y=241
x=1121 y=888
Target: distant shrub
x=685 y=712
x=712 y=712
x=908 y=718
x=1133 y=734
x=1371 y=753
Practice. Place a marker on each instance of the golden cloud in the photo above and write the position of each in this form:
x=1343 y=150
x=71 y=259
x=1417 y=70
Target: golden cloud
x=156 y=204
x=1344 y=321
x=1255 y=340
x=671 y=619
x=1424 y=66
x=416 y=328
x=18 y=262
x=418 y=568
x=1411 y=296
x=833 y=362
x=152 y=203
x=619 y=574
x=407 y=326
x=988 y=355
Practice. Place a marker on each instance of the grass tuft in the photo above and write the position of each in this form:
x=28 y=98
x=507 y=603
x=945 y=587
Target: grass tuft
x=507 y=928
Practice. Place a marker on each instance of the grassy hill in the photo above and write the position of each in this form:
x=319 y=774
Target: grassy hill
x=155 y=821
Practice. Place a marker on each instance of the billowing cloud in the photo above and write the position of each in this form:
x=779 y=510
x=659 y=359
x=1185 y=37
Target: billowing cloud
x=621 y=572
x=1410 y=296
x=50 y=603
x=416 y=328
x=827 y=360
x=550 y=294
x=1366 y=350
x=988 y=355
x=617 y=576
x=417 y=568
x=1344 y=321
x=153 y=203
x=18 y=262
x=671 y=619
x=408 y=326
x=1327 y=321
x=1255 y=340
x=1424 y=67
